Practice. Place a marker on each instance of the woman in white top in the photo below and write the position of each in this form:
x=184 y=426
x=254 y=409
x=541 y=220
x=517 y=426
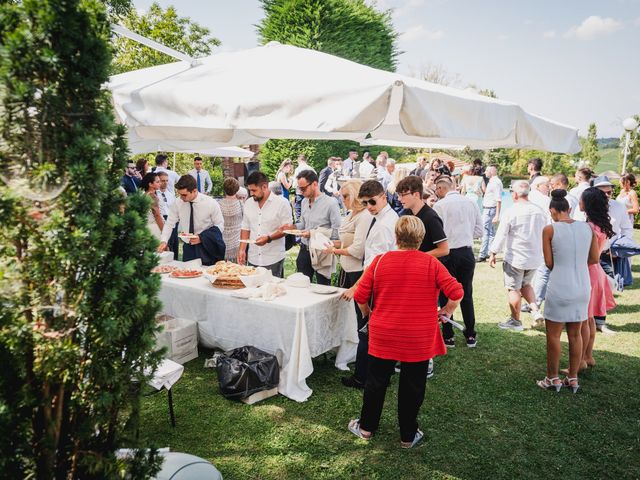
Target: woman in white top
x=628 y=196
x=149 y=184
x=472 y=185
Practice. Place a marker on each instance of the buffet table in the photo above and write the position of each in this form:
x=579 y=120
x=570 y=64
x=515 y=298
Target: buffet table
x=295 y=327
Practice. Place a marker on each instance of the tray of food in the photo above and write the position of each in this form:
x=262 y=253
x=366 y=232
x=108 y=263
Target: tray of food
x=164 y=269
x=186 y=237
x=229 y=275
x=185 y=273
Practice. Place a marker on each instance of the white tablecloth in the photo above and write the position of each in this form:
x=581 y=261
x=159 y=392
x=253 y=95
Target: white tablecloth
x=295 y=327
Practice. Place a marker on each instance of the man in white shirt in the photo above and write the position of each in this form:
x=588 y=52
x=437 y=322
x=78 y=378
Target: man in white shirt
x=385 y=174
x=365 y=169
x=380 y=238
x=196 y=214
x=462 y=223
x=263 y=214
x=161 y=166
x=560 y=182
x=491 y=206
x=302 y=166
x=622 y=226
x=520 y=236
x=539 y=195
x=583 y=177
x=202 y=177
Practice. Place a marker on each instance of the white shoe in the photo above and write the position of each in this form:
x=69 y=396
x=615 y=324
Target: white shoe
x=604 y=329
x=538 y=319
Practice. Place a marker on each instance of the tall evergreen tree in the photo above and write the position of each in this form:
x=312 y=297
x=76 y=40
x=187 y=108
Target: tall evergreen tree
x=589 y=153
x=349 y=29
x=77 y=301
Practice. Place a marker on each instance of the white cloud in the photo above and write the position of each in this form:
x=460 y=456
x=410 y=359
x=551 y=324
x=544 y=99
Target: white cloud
x=502 y=37
x=419 y=32
x=549 y=34
x=594 y=26
x=407 y=7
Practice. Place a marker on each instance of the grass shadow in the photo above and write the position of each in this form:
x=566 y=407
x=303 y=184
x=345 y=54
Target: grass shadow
x=483 y=417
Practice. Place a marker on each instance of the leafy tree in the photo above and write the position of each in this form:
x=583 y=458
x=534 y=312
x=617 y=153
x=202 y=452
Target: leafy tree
x=349 y=29
x=589 y=153
x=165 y=27
x=77 y=301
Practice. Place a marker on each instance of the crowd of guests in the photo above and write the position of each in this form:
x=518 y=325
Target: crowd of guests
x=399 y=234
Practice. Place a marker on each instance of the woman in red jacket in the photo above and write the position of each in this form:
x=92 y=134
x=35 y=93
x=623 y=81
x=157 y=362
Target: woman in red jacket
x=403 y=326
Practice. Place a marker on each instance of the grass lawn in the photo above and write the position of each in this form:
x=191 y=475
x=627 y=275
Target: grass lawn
x=483 y=416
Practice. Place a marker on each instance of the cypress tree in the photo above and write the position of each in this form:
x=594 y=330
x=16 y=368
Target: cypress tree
x=77 y=301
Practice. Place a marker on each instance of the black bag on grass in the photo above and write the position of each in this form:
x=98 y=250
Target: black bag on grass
x=246 y=370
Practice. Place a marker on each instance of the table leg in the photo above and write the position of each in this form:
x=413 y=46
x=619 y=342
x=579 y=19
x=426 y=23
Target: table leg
x=171 y=413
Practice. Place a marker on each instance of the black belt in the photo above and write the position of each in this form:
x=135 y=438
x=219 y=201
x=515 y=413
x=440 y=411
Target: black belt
x=459 y=248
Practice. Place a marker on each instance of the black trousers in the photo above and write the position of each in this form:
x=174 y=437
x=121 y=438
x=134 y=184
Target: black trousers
x=303 y=265
x=348 y=280
x=462 y=265
x=411 y=388
x=173 y=240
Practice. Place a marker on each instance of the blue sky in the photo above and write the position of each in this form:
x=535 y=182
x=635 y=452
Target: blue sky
x=574 y=61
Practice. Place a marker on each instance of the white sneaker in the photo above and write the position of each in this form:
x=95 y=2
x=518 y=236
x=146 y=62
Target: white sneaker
x=604 y=329
x=538 y=319
x=511 y=324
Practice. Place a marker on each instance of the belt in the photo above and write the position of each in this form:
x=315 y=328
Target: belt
x=459 y=248
x=486 y=208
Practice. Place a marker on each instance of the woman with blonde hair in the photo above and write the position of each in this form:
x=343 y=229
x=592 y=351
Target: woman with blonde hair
x=282 y=176
x=392 y=196
x=350 y=247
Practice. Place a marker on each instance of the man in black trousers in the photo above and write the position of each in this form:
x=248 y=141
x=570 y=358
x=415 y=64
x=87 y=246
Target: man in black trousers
x=462 y=223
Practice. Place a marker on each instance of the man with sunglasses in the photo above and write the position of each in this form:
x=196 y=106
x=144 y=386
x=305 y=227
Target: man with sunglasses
x=380 y=238
x=317 y=211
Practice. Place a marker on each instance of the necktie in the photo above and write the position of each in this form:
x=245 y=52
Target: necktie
x=199 y=184
x=371 y=226
x=191 y=218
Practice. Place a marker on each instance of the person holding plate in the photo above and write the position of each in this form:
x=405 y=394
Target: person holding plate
x=317 y=211
x=264 y=212
x=200 y=218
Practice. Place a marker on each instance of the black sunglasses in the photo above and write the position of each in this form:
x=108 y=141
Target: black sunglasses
x=371 y=201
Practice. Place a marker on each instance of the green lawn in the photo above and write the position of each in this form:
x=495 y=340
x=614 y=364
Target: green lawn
x=483 y=416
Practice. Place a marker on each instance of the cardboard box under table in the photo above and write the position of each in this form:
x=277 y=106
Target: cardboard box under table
x=295 y=327
x=180 y=337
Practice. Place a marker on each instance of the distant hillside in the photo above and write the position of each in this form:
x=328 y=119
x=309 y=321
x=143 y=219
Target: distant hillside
x=609 y=159
x=608 y=142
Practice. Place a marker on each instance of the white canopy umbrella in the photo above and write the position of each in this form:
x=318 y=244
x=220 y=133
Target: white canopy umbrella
x=281 y=91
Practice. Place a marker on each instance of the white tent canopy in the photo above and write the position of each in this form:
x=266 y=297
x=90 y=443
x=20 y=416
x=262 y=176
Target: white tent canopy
x=281 y=91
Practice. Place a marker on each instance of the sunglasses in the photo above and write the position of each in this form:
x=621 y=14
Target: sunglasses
x=371 y=201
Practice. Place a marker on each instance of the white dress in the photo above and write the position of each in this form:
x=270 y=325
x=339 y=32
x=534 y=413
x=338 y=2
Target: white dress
x=569 y=288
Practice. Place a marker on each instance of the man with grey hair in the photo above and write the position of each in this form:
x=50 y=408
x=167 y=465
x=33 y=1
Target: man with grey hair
x=385 y=174
x=520 y=236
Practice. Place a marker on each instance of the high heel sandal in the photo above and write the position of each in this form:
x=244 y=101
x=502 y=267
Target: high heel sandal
x=568 y=383
x=548 y=384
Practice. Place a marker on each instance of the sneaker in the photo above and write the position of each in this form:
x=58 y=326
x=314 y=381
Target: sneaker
x=481 y=259
x=450 y=342
x=511 y=324
x=525 y=307
x=417 y=441
x=351 y=381
x=537 y=319
x=471 y=342
x=430 y=369
x=604 y=329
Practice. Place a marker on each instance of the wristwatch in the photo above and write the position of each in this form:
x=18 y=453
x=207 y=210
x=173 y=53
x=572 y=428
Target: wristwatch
x=269 y=239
